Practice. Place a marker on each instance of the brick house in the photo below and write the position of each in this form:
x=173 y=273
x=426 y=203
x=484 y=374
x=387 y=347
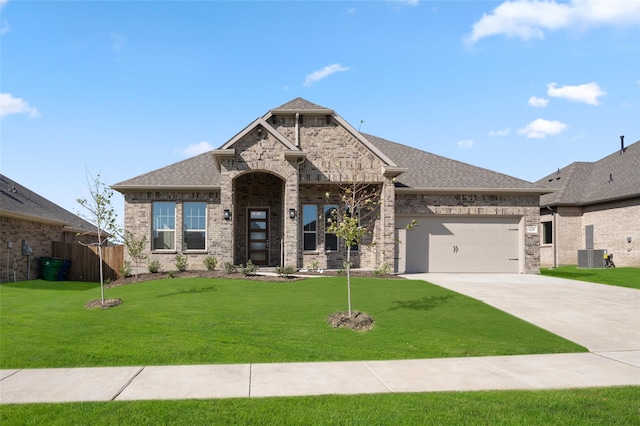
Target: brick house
x=596 y=205
x=30 y=218
x=265 y=195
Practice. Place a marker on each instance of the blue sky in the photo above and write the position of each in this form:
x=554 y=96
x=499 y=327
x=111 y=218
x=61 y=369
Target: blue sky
x=123 y=88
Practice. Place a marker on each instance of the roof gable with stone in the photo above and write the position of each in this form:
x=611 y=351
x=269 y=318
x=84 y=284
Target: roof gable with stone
x=416 y=169
x=614 y=177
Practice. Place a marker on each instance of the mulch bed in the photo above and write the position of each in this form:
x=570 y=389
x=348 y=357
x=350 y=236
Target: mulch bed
x=358 y=321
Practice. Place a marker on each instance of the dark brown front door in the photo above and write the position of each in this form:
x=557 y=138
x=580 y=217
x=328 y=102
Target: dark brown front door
x=259 y=236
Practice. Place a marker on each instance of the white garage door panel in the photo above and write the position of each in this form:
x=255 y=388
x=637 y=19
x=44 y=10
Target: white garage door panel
x=467 y=244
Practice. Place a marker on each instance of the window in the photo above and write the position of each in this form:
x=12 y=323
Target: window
x=195 y=225
x=164 y=226
x=547 y=232
x=310 y=226
x=330 y=239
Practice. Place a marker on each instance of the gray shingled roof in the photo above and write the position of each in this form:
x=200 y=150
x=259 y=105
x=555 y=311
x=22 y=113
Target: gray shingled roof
x=19 y=201
x=299 y=104
x=200 y=171
x=614 y=177
x=425 y=170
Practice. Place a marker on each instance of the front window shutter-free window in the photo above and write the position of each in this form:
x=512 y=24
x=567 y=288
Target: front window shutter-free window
x=309 y=226
x=164 y=225
x=195 y=225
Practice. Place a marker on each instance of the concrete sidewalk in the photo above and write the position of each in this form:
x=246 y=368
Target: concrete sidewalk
x=605 y=319
x=295 y=379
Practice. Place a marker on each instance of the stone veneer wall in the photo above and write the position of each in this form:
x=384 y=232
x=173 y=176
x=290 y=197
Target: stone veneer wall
x=138 y=212
x=38 y=236
x=525 y=206
x=366 y=257
x=569 y=235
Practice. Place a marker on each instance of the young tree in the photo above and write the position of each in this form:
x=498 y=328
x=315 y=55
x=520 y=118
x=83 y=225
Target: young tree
x=136 y=248
x=101 y=214
x=352 y=221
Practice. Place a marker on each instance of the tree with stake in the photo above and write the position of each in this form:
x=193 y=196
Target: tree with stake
x=102 y=214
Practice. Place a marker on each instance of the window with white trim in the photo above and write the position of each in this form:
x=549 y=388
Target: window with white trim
x=330 y=239
x=194 y=221
x=164 y=225
x=309 y=227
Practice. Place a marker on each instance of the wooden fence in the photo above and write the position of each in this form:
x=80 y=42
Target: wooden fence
x=85 y=262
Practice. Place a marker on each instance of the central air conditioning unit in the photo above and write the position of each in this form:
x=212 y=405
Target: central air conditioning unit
x=593 y=258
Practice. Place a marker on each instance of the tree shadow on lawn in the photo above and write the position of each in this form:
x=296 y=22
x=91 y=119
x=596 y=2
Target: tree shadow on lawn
x=190 y=291
x=425 y=303
x=52 y=285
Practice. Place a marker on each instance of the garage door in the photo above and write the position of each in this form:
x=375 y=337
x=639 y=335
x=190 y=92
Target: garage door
x=458 y=244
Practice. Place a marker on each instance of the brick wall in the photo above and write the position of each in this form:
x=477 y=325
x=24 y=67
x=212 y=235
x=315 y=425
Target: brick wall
x=38 y=236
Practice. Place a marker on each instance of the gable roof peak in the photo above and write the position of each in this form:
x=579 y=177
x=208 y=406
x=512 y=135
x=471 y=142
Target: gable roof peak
x=300 y=105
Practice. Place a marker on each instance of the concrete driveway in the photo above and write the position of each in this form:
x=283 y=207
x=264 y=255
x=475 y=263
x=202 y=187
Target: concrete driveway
x=600 y=317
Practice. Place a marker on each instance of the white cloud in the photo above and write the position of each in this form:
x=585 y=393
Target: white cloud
x=325 y=72
x=587 y=93
x=541 y=128
x=4 y=25
x=10 y=105
x=466 y=144
x=503 y=132
x=528 y=19
x=197 y=149
x=538 y=102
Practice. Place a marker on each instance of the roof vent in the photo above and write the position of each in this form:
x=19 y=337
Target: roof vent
x=622 y=148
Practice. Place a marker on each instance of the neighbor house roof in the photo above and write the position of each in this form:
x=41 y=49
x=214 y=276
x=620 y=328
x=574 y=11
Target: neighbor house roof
x=614 y=177
x=416 y=170
x=20 y=202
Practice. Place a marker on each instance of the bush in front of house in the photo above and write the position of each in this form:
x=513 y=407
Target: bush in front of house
x=285 y=271
x=229 y=268
x=250 y=268
x=153 y=266
x=181 y=262
x=210 y=262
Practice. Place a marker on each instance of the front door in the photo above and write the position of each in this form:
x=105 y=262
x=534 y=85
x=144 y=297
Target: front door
x=258 y=236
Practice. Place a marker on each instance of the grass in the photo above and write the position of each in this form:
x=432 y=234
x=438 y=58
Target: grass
x=204 y=321
x=622 y=277
x=596 y=406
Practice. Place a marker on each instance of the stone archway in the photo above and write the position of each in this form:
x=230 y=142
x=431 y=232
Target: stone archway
x=259 y=208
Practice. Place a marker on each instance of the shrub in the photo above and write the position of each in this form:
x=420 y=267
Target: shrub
x=250 y=269
x=314 y=266
x=210 y=262
x=154 y=266
x=125 y=269
x=229 y=268
x=385 y=269
x=285 y=271
x=181 y=262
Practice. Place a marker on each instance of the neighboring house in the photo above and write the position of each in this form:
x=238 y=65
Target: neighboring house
x=33 y=222
x=594 y=206
x=265 y=194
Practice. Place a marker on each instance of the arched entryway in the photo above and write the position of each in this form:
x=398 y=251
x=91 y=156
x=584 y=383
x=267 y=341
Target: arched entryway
x=258 y=218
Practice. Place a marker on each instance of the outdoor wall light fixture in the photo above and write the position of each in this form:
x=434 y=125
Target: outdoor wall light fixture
x=292 y=213
x=628 y=239
x=227 y=214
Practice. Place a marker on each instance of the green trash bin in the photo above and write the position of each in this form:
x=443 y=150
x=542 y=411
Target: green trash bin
x=49 y=268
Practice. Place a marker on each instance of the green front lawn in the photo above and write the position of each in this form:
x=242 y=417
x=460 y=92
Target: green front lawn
x=600 y=406
x=204 y=321
x=623 y=277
